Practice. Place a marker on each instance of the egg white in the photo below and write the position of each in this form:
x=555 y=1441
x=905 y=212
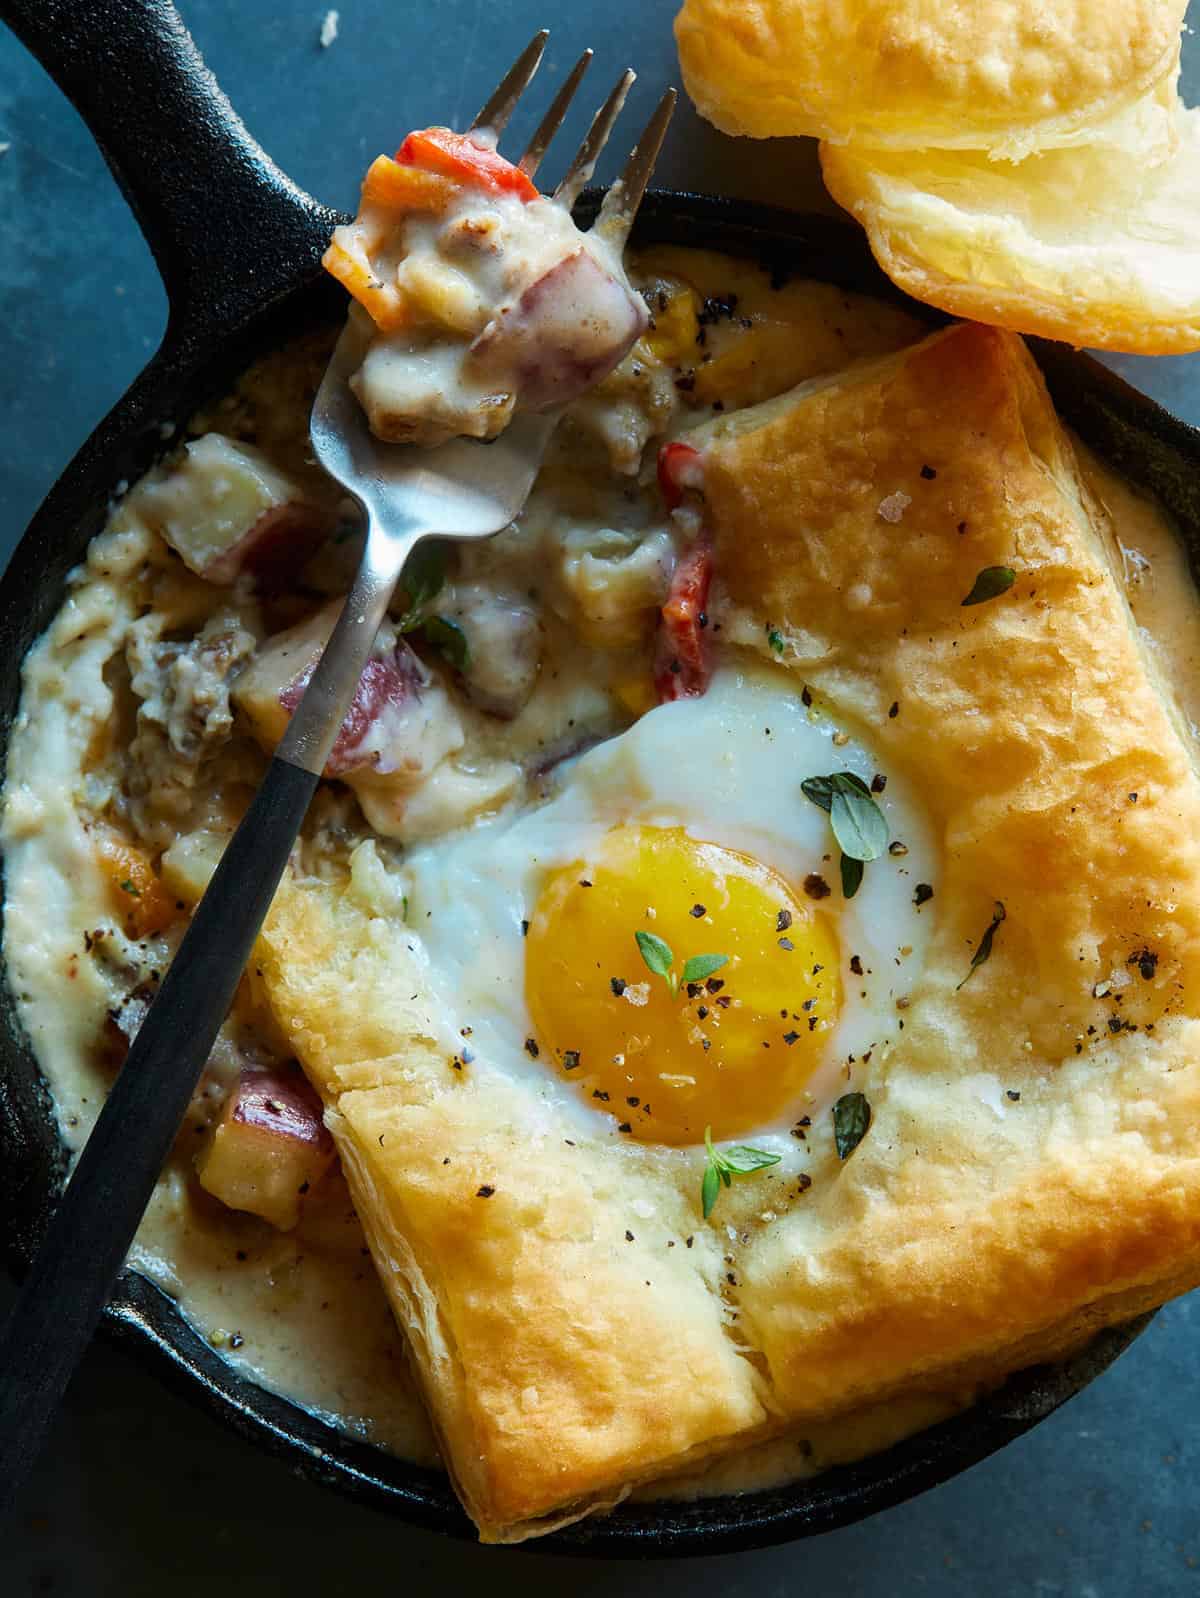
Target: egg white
x=727 y=768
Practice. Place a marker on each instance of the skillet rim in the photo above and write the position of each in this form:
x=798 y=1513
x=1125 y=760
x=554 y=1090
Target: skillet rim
x=1141 y=439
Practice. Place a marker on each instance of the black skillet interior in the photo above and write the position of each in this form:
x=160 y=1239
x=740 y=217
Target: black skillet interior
x=238 y=247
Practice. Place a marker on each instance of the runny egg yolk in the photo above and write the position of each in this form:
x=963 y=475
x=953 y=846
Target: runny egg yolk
x=733 y=1051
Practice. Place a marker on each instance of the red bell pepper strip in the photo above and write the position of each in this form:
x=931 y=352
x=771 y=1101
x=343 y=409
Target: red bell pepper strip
x=680 y=467
x=681 y=664
x=457 y=156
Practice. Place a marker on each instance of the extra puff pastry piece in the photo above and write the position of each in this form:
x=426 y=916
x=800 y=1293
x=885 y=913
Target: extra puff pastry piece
x=1032 y=1169
x=1000 y=75
x=1092 y=245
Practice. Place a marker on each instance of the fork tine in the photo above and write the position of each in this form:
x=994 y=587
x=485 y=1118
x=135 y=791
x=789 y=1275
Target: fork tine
x=552 y=121
x=622 y=200
x=586 y=156
x=495 y=113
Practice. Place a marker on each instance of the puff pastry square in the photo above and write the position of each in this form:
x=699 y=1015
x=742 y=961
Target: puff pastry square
x=1033 y=1166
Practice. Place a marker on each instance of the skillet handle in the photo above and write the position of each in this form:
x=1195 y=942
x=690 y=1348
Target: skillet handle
x=229 y=231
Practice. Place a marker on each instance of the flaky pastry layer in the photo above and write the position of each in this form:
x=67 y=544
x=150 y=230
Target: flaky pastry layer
x=1006 y=76
x=1033 y=1166
x=1093 y=245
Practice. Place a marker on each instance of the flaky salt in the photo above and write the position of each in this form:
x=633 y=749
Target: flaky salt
x=893 y=507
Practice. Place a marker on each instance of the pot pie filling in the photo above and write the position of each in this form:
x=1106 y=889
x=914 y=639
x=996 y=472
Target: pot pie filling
x=661 y=880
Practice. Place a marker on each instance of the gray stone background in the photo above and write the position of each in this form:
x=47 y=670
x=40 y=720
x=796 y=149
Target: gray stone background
x=139 y=1493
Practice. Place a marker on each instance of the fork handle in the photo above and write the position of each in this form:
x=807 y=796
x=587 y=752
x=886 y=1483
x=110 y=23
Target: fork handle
x=314 y=726
x=72 y=1276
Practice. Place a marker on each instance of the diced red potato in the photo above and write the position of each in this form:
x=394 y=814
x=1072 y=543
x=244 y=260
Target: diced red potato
x=399 y=724
x=269 y=1149
x=681 y=662
x=276 y=664
x=188 y=864
x=275 y=548
x=566 y=331
x=367 y=738
x=225 y=509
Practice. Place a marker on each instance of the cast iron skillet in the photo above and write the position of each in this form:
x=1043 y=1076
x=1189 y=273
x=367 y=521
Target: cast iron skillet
x=238 y=248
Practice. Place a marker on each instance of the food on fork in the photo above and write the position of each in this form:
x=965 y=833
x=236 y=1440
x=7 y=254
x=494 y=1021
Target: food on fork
x=1028 y=165
x=476 y=295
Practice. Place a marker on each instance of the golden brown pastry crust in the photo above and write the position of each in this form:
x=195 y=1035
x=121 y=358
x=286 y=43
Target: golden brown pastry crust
x=569 y=1340
x=1029 y=723
x=1092 y=245
x=1002 y=75
x=1033 y=1168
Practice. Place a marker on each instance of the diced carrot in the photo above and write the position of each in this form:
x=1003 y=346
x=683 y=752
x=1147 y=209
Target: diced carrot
x=405 y=188
x=346 y=259
x=457 y=156
x=681 y=664
x=143 y=902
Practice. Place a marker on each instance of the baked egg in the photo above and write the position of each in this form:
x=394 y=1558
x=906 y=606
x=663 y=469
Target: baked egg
x=667 y=940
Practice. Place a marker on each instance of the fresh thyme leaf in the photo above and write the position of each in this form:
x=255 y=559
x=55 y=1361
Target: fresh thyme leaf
x=703 y=965
x=724 y=1164
x=819 y=790
x=710 y=1189
x=657 y=954
x=991 y=582
x=983 y=951
x=852 y=875
x=851 y=1118
x=775 y=640
x=423 y=579
x=822 y=789
x=742 y=1159
x=858 y=823
x=448 y=638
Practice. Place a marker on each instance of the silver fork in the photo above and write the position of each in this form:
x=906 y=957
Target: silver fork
x=462 y=490
x=465 y=489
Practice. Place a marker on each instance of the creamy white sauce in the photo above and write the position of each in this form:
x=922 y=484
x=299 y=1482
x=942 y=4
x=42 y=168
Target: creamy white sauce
x=1158 y=583
x=510 y=307
x=302 y=1312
